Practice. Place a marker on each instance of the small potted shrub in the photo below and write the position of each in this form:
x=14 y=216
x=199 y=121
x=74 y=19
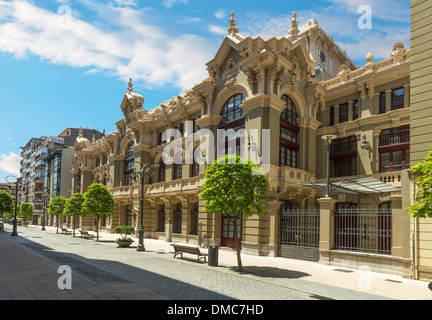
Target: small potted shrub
x=124 y=231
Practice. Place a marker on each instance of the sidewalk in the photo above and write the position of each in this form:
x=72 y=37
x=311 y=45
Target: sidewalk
x=295 y=275
x=27 y=276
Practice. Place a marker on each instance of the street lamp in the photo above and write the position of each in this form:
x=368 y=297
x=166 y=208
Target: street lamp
x=44 y=197
x=146 y=169
x=328 y=138
x=17 y=183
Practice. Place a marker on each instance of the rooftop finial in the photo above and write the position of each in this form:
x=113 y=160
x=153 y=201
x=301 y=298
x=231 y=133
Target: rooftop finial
x=233 y=24
x=130 y=85
x=294 y=26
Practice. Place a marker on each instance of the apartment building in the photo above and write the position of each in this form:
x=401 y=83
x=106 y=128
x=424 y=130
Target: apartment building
x=34 y=166
x=302 y=89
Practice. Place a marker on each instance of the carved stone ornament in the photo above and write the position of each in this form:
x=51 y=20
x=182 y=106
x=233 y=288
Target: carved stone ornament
x=343 y=70
x=230 y=82
x=399 y=53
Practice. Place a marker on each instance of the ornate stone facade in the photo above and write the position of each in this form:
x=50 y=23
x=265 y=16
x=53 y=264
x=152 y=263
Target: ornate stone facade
x=298 y=89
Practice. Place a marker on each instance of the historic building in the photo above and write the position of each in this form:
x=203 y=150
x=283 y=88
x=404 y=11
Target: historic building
x=420 y=133
x=298 y=88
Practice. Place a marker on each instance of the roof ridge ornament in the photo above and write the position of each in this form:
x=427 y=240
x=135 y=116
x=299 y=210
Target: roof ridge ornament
x=130 y=85
x=233 y=25
x=294 y=31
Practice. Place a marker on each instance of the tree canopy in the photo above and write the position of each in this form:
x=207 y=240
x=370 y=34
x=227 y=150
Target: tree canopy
x=7 y=207
x=98 y=202
x=235 y=187
x=26 y=210
x=423 y=207
x=74 y=207
x=56 y=208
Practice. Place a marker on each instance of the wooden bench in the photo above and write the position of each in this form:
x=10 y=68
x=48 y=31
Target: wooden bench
x=180 y=249
x=66 y=231
x=86 y=235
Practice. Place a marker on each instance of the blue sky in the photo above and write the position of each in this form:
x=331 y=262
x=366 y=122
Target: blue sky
x=66 y=63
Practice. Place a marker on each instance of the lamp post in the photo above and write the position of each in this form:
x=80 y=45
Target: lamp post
x=328 y=138
x=146 y=169
x=44 y=196
x=17 y=183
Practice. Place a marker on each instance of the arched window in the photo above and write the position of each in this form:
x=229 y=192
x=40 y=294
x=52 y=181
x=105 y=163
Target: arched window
x=177 y=223
x=289 y=114
x=233 y=117
x=231 y=110
x=289 y=144
x=129 y=164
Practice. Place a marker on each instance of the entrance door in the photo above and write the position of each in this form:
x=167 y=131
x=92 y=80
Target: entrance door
x=227 y=239
x=299 y=233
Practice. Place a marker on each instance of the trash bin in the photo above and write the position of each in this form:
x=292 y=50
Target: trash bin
x=213 y=255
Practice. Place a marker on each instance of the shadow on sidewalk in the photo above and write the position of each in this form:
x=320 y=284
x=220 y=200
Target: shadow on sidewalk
x=271 y=272
x=109 y=272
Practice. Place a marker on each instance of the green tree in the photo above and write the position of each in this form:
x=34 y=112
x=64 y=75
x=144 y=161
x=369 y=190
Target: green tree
x=56 y=208
x=423 y=207
x=235 y=188
x=26 y=210
x=99 y=202
x=7 y=207
x=74 y=208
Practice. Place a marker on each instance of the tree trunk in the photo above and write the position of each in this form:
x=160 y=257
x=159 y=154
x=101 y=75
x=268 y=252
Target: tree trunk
x=239 y=261
x=97 y=228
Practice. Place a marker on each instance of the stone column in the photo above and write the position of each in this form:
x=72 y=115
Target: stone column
x=350 y=110
x=388 y=100
x=336 y=114
x=273 y=227
x=326 y=242
x=406 y=95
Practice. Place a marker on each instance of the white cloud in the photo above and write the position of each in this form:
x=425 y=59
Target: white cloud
x=170 y=3
x=217 y=30
x=10 y=163
x=340 y=20
x=220 y=14
x=129 y=47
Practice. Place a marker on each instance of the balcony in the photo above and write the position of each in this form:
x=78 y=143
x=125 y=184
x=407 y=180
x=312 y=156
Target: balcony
x=393 y=137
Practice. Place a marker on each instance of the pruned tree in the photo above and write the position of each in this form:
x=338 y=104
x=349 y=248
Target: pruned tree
x=7 y=207
x=26 y=210
x=99 y=202
x=422 y=208
x=56 y=208
x=235 y=188
x=74 y=209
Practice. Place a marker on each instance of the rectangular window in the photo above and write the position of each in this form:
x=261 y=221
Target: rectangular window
x=288 y=135
x=382 y=105
x=394 y=161
x=177 y=174
x=397 y=99
x=162 y=173
x=355 y=110
x=343 y=113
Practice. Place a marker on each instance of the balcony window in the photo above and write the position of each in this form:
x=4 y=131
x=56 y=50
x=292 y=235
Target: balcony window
x=343 y=157
x=355 y=114
x=382 y=105
x=394 y=149
x=397 y=99
x=343 y=113
x=288 y=142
